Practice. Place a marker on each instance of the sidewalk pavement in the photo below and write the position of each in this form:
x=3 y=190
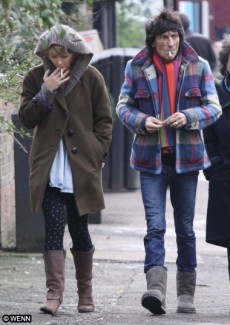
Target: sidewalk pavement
x=119 y=281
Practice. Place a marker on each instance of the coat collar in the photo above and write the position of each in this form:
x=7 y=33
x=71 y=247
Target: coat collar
x=143 y=58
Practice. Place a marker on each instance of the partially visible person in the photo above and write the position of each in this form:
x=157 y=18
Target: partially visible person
x=66 y=102
x=167 y=98
x=217 y=144
x=217 y=45
x=201 y=44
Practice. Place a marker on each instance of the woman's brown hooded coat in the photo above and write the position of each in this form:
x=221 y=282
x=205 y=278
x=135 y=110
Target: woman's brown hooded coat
x=80 y=115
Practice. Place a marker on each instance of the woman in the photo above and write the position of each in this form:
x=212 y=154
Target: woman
x=66 y=102
x=217 y=144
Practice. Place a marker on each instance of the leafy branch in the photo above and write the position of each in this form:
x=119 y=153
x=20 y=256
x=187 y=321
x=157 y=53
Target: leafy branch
x=21 y=21
x=9 y=128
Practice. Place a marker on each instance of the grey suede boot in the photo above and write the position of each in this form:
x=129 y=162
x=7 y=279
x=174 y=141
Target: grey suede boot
x=54 y=269
x=186 y=285
x=154 y=298
x=84 y=265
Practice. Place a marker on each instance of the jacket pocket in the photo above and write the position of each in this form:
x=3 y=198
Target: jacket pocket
x=142 y=94
x=192 y=92
x=144 y=101
x=96 y=151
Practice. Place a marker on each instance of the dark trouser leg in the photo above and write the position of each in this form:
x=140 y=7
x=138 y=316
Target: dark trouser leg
x=228 y=254
x=54 y=255
x=53 y=209
x=183 y=189
x=78 y=226
x=183 y=194
x=154 y=189
x=82 y=252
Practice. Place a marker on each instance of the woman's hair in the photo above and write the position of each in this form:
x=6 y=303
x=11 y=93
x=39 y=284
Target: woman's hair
x=162 y=23
x=61 y=50
x=224 y=55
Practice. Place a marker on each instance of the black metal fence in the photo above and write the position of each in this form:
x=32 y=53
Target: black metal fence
x=117 y=175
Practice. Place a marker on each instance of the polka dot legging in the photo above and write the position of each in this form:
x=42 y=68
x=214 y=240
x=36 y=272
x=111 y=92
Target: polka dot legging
x=54 y=211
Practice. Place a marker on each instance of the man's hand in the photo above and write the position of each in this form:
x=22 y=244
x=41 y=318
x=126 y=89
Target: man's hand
x=177 y=120
x=152 y=124
x=55 y=80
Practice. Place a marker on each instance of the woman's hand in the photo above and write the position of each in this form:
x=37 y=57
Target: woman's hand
x=55 y=79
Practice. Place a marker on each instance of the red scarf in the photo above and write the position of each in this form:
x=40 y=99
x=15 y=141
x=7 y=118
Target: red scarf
x=167 y=82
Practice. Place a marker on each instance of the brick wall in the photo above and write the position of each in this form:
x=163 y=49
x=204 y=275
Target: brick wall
x=7 y=182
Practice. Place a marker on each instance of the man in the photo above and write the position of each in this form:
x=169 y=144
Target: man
x=199 y=43
x=167 y=97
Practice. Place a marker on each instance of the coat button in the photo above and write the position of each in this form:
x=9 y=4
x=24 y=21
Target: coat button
x=70 y=133
x=74 y=150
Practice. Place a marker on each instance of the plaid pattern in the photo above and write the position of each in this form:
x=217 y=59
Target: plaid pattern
x=196 y=97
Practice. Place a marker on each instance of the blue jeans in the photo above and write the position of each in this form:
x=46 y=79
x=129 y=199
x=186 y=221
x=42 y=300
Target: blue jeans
x=183 y=196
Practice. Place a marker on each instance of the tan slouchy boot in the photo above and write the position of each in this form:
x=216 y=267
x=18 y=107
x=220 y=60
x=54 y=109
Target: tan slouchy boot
x=54 y=269
x=84 y=265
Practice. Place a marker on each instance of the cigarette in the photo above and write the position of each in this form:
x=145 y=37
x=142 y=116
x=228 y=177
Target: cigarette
x=170 y=53
x=61 y=73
